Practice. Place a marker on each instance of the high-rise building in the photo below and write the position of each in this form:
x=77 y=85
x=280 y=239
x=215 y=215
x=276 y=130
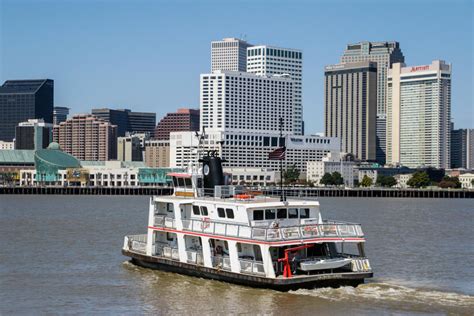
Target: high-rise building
x=264 y=60
x=129 y=148
x=229 y=54
x=128 y=121
x=418 y=115
x=462 y=148
x=350 y=97
x=33 y=134
x=244 y=102
x=21 y=100
x=60 y=114
x=385 y=54
x=87 y=137
x=157 y=153
x=180 y=121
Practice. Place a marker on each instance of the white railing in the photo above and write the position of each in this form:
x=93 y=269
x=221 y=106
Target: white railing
x=135 y=243
x=221 y=262
x=252 y=267
x=164 y=221
x=195 y=257
x=327 y=229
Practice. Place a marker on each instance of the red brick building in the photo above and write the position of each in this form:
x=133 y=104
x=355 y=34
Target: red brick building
x=183 y=120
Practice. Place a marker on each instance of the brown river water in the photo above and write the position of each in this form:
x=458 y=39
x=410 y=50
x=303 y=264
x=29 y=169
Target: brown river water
x=61 y=255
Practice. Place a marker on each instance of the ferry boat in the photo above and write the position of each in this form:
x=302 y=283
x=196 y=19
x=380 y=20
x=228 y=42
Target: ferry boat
x=212 y=230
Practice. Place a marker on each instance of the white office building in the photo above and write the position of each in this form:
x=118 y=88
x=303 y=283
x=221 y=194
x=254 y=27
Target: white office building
x=251 y=149
x=264 y=60
x=330 y=164
x=7 y=145
x=246 y=103
x=229 y=54
x=418 y=115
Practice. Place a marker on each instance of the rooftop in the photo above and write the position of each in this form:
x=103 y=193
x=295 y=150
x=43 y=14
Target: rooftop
x=22 y=86
x=17 y=156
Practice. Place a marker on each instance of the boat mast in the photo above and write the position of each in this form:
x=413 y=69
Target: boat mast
x=282 y=194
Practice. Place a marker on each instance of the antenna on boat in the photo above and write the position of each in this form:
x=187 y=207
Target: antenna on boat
x=282 y=194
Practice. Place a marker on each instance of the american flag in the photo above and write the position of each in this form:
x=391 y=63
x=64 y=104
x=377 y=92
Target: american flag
x=277 y=154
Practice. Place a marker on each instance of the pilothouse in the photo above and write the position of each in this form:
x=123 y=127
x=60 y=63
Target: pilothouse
x=224 y=232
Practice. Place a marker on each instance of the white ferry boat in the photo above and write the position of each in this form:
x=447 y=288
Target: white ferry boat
x=222 y=232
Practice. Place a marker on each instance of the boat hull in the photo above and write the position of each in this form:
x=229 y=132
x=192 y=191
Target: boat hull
x=280 y=284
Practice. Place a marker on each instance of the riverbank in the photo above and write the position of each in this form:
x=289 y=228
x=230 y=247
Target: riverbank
x=290 y=192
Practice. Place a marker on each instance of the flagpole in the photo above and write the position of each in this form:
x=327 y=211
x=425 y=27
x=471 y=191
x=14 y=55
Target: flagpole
x=282 y=195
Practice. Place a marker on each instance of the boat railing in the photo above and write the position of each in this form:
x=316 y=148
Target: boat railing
x=221 y=262
x=251 y=267
x=164 y=221
x=135 y=243
x=194 y=257
x=326 y=229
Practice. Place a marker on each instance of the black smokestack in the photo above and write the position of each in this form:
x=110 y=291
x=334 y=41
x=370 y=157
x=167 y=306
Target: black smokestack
x=212 y=170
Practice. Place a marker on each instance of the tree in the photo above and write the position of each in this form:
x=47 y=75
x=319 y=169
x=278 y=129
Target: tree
x=450 y=182
x=337 y=178
x=419 y=179
x=326 y=179
x=366 y=181
x=291 y=174
x=386 y=181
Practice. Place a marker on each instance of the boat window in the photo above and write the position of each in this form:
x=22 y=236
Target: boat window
x=187 y=182
x=270 y=214
x=196 y=210
x=169 y=236
x=281 y=213
x=304 y=212
x=258 y=215
x=181 y=182
x=175 y=181
x=204 y=210
x=239 y=247
x=292 y=213
x=169 y=207
x=220 y=212
x=229 y=212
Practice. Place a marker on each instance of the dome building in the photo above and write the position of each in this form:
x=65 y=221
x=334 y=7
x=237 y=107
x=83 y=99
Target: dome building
x=49 y=161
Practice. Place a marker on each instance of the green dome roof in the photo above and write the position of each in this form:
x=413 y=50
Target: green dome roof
x=54 y=146
x=54 y=157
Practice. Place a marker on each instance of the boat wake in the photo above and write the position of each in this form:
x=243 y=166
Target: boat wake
x=396 y=296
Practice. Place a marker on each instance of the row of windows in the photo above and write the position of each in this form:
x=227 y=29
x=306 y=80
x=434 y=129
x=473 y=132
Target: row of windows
x=281 y=213
x=274 y=52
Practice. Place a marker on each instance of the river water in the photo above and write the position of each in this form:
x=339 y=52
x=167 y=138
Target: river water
x=61 y=255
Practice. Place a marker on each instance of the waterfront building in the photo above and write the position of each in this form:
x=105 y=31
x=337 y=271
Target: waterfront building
x=180 y=121
x=418 y=115
x=21 y=100
x=350 y=98
x=265 y=60
x=402 y=180
x=253 y=176
x=385 y=54
x=33 y=134
x=87 y=137
x=157 y=153
x=129 y=148
x=243 y=102
x=467 y=180
x=315 y=170
x=250 y=150
x=7 y=145
x=374 y=171
x=462 y=148
x=11 y=162
x=128 y=121
x=229 y=54
x=60 y=114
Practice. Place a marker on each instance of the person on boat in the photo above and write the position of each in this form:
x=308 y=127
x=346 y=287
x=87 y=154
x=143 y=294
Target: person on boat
x=275 y=224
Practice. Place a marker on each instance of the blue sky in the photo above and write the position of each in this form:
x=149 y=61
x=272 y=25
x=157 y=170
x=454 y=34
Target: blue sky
x=147 y=55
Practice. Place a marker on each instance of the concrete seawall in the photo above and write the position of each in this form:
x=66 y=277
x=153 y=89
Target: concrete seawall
x=290 y=192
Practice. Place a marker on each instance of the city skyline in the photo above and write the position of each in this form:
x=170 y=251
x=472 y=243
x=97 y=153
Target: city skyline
x=169 y=51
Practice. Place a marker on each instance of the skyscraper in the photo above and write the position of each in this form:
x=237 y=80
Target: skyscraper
x=462 y=148
x=182 y=120
x=60 y=114
x=34 y=134
x=21 y=100
x=418 y=115
x=128 y=121
x=229 y=54
x=264 y=60
x=385 y=54
x=87 y=137
x=350 y=94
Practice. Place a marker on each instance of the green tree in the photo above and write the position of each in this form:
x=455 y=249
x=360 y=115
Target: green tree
x=326 y=179
x=291 y=174
x=419 y=179
x=337 y=178
x=366 y=181
x=450 y=182
x=386 y=181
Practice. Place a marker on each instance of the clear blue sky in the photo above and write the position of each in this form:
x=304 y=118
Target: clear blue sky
x=147 y=55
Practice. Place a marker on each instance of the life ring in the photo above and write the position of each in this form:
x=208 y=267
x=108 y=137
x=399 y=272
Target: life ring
x=243 y=196
x=206 y=222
